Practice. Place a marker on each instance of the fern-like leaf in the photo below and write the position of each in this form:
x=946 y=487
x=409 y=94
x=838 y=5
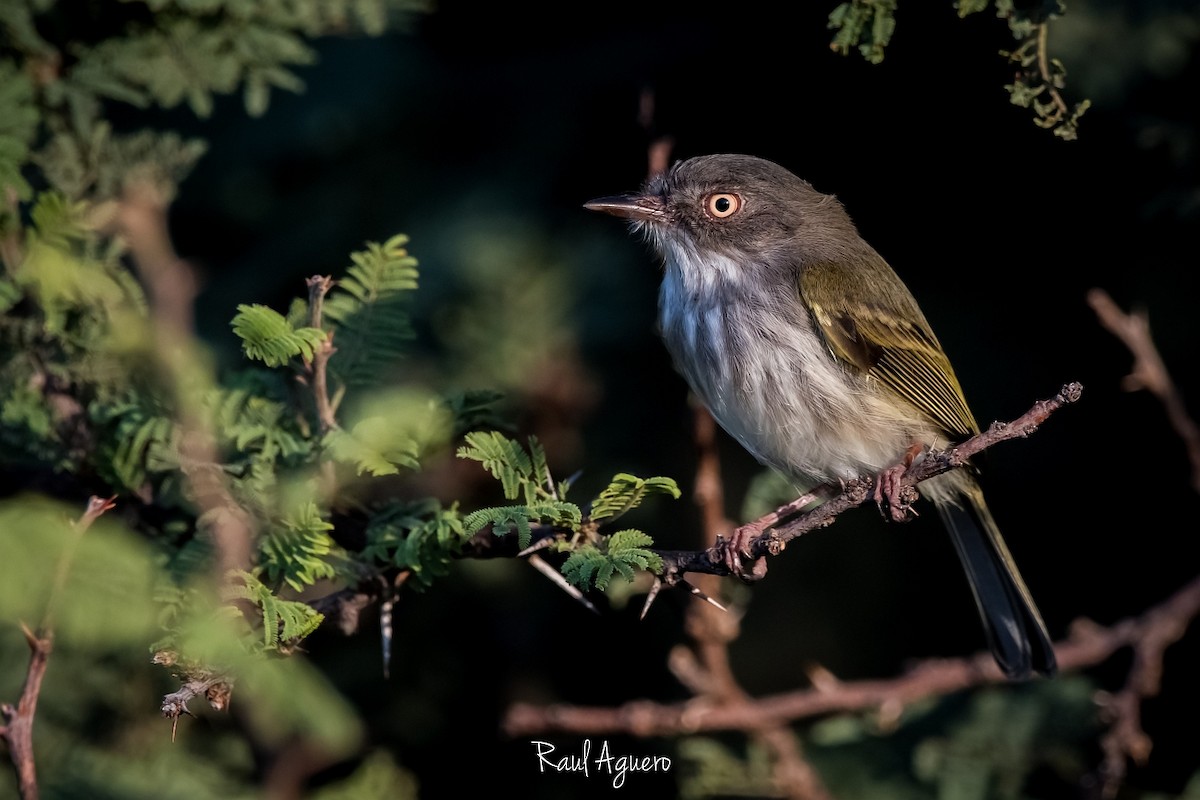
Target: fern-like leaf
x=284 y=621
x=422 y=538
x=503 y=519
x=294 y=548
x=368 y=309
x=268 y=337
x=626 y=492
x=623 y=552
x=369 y=454
x=504 y=458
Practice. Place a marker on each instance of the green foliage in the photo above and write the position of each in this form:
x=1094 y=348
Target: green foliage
x=268 y=337
x=294 y=549
x=283 y=621
x=473 y=409
x=94 y=585
x=868 y=25
x=391 y=430
x=984 y=745
x=622 y=552
x=865 y=25
x=523 y=474
x=376 y=778
x=18 y=125
x=422 y=538
x=710 y=768
x=52 y=93
x=368 y=312
x=627 y=492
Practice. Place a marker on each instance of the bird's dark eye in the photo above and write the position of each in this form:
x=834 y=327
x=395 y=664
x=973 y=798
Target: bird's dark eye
x=722 y=205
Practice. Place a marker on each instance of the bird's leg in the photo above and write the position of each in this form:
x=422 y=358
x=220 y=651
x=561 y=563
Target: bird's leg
x=888 y=489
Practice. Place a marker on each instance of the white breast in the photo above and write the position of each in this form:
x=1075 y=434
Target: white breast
x=752 y=355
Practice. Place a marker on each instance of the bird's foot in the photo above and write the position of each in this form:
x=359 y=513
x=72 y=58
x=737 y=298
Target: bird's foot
x=739 y=546
x=893 y=499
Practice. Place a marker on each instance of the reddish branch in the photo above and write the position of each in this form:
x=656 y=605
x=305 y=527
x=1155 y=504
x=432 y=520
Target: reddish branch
x=1125 y=739
x=705 y=667
x=318 y=287
x=1148 y=371
x=141 y=219
x=17 y=731
x=1087 y=645
x=784 y=524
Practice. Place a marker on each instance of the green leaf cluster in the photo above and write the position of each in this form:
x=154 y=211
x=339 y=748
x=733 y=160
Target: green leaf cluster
x=368 y=312
x=986 y=745
x=268 y=336
x=865 y=25
x=868 y=26
x=620 y=553
x=523 y=475
x=422 y=538
x=283 y=621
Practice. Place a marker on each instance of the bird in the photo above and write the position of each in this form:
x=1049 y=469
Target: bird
x=809 y=350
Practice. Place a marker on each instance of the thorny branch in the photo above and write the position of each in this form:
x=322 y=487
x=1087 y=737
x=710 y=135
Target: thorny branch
x=1125 y=739
x=1087 y=645
x=705 y=667
x=141 y=220
x=784 y=524
x=318 y=287
x=17 y=730
x=1148 y=371
x=1148 y=635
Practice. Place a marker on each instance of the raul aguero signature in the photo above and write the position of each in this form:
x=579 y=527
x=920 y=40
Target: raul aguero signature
x=605 y=763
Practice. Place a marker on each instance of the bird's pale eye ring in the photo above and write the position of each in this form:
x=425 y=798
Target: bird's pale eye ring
x=722 y=205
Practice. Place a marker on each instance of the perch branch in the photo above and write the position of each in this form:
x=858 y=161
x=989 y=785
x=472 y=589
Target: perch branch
x=784 y=524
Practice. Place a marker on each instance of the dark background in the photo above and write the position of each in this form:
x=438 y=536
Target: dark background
x=481 y=130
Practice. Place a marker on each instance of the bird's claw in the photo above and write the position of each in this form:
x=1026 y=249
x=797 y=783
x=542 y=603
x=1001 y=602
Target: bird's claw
x=893 y=499
x=740 y=545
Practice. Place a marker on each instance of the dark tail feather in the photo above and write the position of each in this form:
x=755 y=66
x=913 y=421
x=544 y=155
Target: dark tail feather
x=1015 y=631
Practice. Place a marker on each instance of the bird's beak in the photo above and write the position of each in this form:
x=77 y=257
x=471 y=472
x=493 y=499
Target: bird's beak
x=645 y=208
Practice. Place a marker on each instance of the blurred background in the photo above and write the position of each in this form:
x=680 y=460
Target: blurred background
x=479 y=131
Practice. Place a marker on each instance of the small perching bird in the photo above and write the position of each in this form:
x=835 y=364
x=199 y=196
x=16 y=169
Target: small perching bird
x=811 y=352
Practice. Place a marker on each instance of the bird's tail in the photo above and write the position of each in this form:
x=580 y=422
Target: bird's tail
x=1015 y=631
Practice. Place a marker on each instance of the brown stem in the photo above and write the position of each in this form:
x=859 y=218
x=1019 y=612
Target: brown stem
x=709 y=672
x=855 y=493
x=1043 y=57
x=318 y=287
x=17 y=731
x=141 y=219
x=1087 y=645
x=1149 y=372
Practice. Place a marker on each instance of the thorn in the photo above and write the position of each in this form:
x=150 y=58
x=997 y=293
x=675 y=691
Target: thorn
x=651 y=595
x=541 y=544
x=702 y=595
x=385 y=632
x=30 y=637
x=558 y=580
x=821 y=678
